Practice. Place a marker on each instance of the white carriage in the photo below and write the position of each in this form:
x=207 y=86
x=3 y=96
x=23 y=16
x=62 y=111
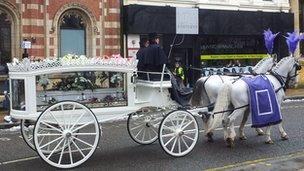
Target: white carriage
x=62 y=104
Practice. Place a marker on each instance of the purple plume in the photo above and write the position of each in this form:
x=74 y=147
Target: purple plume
x=292 y=41
x=269 y=38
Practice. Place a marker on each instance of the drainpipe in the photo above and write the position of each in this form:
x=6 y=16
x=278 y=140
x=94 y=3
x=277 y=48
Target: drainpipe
x=121 y=29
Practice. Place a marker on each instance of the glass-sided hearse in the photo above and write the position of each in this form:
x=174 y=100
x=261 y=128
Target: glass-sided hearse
x=62 y=103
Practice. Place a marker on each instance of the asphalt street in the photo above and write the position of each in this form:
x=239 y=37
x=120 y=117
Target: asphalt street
x=117 y=151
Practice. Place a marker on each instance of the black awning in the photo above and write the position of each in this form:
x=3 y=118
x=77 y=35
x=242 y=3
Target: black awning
x=139 y=19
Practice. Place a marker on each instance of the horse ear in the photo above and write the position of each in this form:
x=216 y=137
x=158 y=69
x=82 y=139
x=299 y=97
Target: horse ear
x=275 y=58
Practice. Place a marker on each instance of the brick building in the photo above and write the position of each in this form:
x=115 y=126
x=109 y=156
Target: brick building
x=93 y=26
x=58 y=27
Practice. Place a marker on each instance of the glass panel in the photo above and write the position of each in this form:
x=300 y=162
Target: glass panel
x=72 y=41
x=94 y=89
x=18 y=94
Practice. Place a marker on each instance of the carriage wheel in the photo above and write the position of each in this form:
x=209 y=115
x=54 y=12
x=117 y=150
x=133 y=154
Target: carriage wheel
x=66 y=134
x=178 y=133
x=27 y=129
x=143 y=126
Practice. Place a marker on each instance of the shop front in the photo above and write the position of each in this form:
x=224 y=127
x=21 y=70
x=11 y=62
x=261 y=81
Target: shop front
x=225 y=37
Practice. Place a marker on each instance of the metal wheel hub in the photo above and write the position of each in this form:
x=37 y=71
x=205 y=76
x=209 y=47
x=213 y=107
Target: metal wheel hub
x=147 y=121
x=179 y=132
x=67 y=134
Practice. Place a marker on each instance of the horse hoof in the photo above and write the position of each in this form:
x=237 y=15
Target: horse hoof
x=209 y=137
x=284 y=138
x=230 y=142
x=210 y=140
x=269 y=142
x=243 y=138
x=260 y=133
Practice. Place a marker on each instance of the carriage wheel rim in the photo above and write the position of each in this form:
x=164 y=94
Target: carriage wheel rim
x=143 y=128
x=66 y=140
x=27 y=134
x=176 y=131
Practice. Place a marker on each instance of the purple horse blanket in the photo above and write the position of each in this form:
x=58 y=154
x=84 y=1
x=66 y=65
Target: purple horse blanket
x=264 y=107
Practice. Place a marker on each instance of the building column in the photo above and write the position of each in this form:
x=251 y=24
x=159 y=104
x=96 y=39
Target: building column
x=295 y=10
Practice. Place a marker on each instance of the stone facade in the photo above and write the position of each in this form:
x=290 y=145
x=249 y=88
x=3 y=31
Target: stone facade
x=38 y=22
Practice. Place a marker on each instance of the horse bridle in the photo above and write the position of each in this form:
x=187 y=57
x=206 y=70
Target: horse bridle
x=281 y=78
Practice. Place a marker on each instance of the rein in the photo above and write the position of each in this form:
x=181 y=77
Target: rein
x=231 y=110
x=280 y=78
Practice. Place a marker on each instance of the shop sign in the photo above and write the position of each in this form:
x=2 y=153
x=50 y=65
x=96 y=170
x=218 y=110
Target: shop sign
x=26 y=45
x=233 y=56
x=187 y=21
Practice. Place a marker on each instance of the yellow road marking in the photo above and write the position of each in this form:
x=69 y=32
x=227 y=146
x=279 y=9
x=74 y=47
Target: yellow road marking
x=258 y=161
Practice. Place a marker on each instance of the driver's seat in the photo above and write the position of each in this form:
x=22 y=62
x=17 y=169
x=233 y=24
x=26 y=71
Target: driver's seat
x=180 y=95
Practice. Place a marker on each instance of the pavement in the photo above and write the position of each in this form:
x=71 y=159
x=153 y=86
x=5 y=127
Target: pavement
x=294 y=161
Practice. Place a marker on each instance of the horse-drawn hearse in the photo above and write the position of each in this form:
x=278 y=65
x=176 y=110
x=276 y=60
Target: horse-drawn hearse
x=62 y=104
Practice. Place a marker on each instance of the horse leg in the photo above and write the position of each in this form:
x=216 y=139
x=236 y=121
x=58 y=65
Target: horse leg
x=259 y=131
x=230 y=122
x=232 y=135
x=268 y=138
x=209 y=135
x=242 y=125
x=241 y=129
x=284 y=135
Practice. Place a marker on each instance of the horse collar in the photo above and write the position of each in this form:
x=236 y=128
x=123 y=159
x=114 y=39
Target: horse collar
x=280 y=79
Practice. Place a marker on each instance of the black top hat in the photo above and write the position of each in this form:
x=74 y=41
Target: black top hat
x=153 y=36
x=178 y=59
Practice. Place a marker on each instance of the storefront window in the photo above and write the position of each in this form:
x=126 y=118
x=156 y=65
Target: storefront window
x=230 y=51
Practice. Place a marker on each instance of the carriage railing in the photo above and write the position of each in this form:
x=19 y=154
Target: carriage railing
x=152 y=76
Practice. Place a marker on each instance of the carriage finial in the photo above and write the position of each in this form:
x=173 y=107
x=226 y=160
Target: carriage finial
x=269 y=38
x=292 y=41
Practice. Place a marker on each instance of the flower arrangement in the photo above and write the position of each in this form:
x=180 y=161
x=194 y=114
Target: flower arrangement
x=73 y=59
x=116 y=78
x=44 y=81
x=81 y=83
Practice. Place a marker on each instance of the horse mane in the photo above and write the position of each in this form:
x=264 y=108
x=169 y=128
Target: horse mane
x=281 y=62
x=260 y=63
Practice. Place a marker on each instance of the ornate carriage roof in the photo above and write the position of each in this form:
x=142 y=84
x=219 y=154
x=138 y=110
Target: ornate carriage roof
x=70 y=61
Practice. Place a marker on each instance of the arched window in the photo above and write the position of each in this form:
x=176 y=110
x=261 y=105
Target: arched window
x=5 y=40
x=72 y=33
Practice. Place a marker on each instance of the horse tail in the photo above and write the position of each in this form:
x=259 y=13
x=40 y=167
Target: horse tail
x=223 y=99
x=199 y=92
x=222 y=104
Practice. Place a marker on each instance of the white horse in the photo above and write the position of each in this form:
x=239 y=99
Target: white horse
x=235 y=95
x=207 y=88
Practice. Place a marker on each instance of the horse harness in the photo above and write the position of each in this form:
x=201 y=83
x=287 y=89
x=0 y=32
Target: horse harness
x=276 y=75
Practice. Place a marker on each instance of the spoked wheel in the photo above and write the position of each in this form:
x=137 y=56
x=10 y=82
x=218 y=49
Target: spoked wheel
x=143 y=126
x=178 y=133
x=27 y=129
x=66 y=134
